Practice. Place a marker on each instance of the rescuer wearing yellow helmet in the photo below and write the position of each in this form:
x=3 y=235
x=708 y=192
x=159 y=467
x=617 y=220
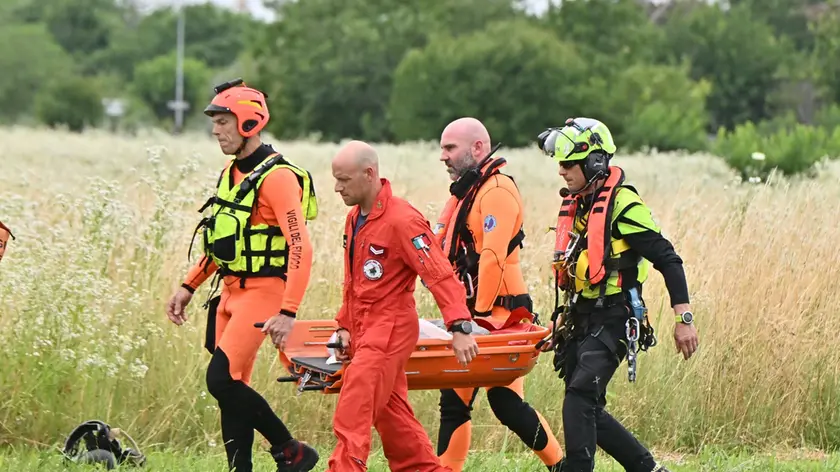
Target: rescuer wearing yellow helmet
x=606 y=239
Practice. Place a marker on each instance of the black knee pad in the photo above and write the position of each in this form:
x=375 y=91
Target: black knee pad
x=453 y=409
x=453 y=414
x=515 y=413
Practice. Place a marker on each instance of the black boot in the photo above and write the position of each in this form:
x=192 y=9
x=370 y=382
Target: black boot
x=294 y=456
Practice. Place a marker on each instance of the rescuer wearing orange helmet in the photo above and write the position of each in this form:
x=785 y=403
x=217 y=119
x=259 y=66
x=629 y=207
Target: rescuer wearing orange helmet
x=255 y=239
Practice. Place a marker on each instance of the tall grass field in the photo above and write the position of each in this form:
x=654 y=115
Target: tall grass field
x=103 y=225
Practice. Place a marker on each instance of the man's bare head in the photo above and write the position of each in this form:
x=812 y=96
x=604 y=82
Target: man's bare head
x=463 y=143
x=356 y=171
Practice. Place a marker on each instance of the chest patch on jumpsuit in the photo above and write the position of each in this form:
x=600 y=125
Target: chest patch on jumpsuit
x=372 y=269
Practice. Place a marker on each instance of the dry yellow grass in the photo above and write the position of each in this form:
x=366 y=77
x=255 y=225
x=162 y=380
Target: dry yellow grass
x=104 y=223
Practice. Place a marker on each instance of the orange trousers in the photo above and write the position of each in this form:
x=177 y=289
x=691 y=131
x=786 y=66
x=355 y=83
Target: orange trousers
x=242 y=409
x=239 y=308
x=374 y=393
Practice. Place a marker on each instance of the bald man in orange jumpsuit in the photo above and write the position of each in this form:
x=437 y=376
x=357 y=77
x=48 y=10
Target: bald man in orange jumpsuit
x=270 y=288
x=388 y=243
x=480 y=230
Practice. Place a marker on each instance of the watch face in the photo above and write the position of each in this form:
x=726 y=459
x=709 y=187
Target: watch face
x=688 y=317
x=466 y=327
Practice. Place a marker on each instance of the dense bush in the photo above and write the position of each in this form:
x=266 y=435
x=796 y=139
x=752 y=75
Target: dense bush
x=69 y=101
x=654 y=106
x=792 y=150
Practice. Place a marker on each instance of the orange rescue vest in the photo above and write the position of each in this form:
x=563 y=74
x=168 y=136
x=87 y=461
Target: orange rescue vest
x=453 y=236
x=598 y=229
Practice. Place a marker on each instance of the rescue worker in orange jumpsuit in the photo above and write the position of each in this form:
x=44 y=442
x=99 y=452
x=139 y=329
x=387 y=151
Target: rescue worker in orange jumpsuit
x=388 y=243
x=257 y=241
x=480 y=230
x=5 y=233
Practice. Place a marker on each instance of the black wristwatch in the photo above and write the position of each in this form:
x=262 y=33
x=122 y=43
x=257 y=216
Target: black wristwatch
x=461 y=327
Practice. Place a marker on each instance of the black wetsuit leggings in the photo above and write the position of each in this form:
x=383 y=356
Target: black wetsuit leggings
x=243 y=410
x=593 y=354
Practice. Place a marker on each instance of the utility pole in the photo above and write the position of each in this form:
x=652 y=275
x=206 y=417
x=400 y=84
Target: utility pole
x=179 y=105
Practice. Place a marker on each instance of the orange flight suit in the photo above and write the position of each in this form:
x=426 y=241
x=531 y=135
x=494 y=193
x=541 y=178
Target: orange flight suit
x=494 y=222
x=381 y=265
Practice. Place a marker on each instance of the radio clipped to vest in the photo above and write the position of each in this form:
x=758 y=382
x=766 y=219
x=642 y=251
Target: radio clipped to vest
x=231 y=240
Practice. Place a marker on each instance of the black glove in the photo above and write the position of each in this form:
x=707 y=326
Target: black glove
x=560 y=356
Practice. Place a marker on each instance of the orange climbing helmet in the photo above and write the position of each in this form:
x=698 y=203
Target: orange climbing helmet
x=246 y=103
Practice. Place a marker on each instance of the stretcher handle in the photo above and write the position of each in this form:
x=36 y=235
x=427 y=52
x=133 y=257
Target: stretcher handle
x=335 y=345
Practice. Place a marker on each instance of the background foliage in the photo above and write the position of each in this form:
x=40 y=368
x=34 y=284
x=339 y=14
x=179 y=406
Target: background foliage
x=675 y=75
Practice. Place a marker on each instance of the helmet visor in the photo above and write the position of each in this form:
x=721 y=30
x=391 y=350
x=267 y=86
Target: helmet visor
x=557 y=143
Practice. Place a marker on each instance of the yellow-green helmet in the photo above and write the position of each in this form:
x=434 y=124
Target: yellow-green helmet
x=575 y=140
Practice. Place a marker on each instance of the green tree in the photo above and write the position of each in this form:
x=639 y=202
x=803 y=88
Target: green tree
x=29 y=57
x=213 y=35
x=612 y=33
x=658 y=106
x=72 y=101
x=516 y=77
x=827 y=52
x=82 y=26
x=787 y=18
x=738 y=53
x=154 y=83
x=328 y=64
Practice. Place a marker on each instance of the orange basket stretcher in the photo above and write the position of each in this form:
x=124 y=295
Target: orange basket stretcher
x=504 y=355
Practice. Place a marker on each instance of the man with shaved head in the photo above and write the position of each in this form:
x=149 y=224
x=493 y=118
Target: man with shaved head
x=480 y=231
x=387 y=244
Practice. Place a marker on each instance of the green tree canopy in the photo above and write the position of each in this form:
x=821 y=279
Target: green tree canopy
x=516 y=77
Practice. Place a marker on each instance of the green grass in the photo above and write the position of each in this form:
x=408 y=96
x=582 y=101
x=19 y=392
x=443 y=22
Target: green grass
x=104 y=222
x=190 y=461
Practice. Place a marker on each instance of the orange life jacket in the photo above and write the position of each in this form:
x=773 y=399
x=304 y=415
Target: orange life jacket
x=598 y=229
x=453 y=236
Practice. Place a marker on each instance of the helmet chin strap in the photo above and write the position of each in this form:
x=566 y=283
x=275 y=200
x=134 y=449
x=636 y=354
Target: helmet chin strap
x=591 y=181
x=241 y=146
